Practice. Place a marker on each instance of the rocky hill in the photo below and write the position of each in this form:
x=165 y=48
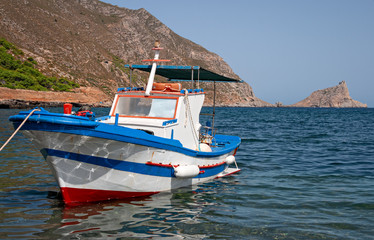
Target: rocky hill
x=337 y=97
x=88 y=41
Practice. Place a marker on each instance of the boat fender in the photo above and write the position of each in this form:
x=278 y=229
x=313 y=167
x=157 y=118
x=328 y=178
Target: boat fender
x=188 y=171
x=204 y=147
x=230 y=159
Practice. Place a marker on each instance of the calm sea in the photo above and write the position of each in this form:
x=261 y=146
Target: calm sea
x=306 y=174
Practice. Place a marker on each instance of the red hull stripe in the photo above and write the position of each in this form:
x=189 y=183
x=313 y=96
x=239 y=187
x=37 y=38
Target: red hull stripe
x=79 y=195
x=170 y=166
x=213 y=165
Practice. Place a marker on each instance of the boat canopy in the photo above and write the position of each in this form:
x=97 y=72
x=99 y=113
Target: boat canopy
x=185 y=73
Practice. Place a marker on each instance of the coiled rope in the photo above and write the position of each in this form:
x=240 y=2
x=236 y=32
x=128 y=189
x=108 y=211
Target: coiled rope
x=19 y=127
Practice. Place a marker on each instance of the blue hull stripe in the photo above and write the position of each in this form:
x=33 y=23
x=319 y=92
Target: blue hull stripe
x=123 y=134
x=70 y=124
x=128 y=166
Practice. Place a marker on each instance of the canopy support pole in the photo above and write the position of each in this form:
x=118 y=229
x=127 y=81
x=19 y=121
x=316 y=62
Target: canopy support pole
x=214 y=105
x=130 y=75
x=192 y=78
x=198 y=78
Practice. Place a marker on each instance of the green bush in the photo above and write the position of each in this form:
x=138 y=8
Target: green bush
x=7 y=61
x=7 y=45
x=23 y=75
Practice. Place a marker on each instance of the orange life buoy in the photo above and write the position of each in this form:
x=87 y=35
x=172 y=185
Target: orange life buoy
x=167 y=87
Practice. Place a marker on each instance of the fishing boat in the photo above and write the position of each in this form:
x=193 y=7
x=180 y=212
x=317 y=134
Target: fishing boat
x=151 y=141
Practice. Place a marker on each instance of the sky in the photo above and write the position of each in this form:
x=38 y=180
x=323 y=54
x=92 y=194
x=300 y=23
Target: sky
x=284 y=49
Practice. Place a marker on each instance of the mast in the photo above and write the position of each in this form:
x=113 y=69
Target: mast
x=153 y=71
x=154 y=61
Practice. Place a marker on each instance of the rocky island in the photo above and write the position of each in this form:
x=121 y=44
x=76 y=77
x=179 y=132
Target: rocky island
x=336 y=97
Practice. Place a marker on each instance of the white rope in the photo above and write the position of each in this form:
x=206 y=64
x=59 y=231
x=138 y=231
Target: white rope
x=19 y=127
x=236 y=164
x=191 y=119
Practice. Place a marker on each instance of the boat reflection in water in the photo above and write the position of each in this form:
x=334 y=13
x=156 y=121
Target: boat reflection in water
x=173 y=215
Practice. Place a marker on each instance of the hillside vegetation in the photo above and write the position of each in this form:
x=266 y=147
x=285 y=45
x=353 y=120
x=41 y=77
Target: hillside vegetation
x=19 y=72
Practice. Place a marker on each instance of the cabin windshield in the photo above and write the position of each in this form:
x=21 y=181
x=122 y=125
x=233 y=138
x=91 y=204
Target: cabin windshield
x=146 y=107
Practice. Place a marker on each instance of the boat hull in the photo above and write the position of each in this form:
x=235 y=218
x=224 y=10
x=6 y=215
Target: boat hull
x=89 y=169
x=95 y=161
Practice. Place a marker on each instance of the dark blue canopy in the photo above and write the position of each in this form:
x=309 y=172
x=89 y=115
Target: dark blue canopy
x=184 y=73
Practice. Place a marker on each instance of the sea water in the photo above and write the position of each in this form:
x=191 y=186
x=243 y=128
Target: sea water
x=305 y=174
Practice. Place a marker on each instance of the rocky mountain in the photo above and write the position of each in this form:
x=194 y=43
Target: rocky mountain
x=89 y=41
x=337 y=97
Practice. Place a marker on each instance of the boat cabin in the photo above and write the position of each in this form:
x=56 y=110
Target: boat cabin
x=171 y=113
x=165 y=109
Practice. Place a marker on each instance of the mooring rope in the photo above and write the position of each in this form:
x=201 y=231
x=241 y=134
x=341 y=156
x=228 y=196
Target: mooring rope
x=19 y=127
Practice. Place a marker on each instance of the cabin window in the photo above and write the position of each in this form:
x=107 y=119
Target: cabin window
x=146 y=107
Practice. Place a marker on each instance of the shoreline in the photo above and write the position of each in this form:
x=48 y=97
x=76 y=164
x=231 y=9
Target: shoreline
x=93 y=97
x=22 y=104
x=21 y=98
x=25 y=104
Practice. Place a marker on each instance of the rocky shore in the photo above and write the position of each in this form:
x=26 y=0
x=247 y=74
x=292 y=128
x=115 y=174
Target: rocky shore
x=19 y=98
x=90 y=96
x=334 y=97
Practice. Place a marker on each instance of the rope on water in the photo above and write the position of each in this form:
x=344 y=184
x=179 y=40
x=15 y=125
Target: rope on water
x=19 y=127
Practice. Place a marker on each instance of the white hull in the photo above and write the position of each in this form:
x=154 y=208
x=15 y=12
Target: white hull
x=88 y=163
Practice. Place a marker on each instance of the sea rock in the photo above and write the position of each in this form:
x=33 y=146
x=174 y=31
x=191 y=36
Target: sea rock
x=337 y=97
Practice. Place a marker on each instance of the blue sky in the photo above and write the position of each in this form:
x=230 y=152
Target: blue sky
x=284 y=49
